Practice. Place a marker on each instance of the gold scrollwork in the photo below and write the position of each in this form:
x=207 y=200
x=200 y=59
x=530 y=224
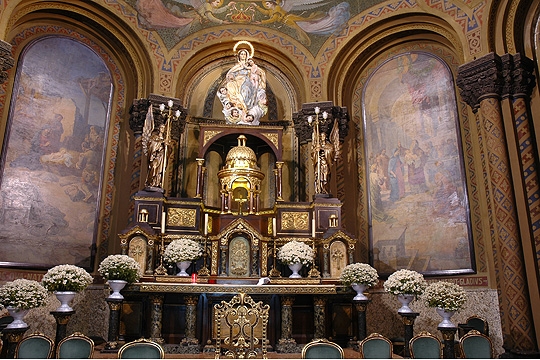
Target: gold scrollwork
x=294 y=220
x=181 y=217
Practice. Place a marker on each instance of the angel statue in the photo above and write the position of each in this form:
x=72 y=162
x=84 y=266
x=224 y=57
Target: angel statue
x=323 y=155
x=155 y=142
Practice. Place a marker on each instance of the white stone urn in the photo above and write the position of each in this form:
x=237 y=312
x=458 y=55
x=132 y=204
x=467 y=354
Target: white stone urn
x=446 y=315
x=18 y=316
x=359 y=288
x=295 y=268
x=116 y=286
x=183 y=266
x=405 y=300
x=65 y=298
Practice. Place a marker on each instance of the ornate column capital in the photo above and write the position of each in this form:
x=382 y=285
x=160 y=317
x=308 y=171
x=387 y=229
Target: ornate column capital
x=6 y=60
x=481 y=78
x=303 y=129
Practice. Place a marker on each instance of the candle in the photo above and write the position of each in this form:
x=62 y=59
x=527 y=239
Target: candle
x=310 y=119
x=274 y=227
x=170 y=103
x=163 y=222
x=177 y=113
x=313 y=227
x=162 y=107
x=317 y=109
x=325 y=115
x=205 y=224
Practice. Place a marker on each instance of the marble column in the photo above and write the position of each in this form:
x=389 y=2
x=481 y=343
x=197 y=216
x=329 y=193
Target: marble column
x=483 y=83
x=115 y=307
x=286 y=343
x=190 y=344
x=156 y=317
x=408 y=322
x=319 y=315
x=448 y=335
x=200 y=178
x=11 y=338
x=361 y=307
x=62 y=319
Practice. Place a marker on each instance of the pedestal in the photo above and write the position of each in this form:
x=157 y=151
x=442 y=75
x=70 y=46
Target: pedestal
x=115 y=307
x=190 y=344
x=156 y=317
x=11 y=338
x=62 y=318
x=286 y=343
x=448 y=335
x=319 y=312
x=361 y=307
x=408 y=322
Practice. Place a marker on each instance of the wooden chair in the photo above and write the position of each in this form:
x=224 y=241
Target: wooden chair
x=322 y=349
x=376 y=346
x=474 y=322
x=75 y=346
x=241 y=327
x=425 y=346
x=141 y=349
x=475 y=345
x=34 y=346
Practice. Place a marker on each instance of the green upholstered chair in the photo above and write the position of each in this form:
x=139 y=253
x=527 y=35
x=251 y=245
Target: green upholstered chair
x=322 y=349
x=34 y=346
x=474 y=322
x=475 y=345
x=75 y=346
x=376 y=346
x=141 y=349
x=425 y=346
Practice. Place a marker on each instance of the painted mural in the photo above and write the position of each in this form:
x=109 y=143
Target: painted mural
x=418 y=202
x=310 y=22
x=50 y=183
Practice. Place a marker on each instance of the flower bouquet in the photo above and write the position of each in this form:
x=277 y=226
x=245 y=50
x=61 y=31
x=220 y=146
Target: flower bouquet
x=66 y=278
x=447 y=298
x=182 y=250
x=359 y=273
x=120 y=267
x=360 y=276
x=445 y=295
x=406 y=284
x=296 y=252
x=20 y=295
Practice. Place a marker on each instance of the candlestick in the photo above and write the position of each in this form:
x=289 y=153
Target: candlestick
x=163 y=222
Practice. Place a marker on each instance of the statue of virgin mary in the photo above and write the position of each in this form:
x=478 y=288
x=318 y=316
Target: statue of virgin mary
x=243 y=92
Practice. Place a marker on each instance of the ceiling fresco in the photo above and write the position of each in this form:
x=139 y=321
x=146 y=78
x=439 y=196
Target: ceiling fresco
x=311 y=22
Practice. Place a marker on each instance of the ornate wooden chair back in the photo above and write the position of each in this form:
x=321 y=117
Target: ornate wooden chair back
x=475 y=345
x=322 y=349
x=141 y=349
x=34 y=346
x=376 y=346
x=425 y=346
x=75 y=346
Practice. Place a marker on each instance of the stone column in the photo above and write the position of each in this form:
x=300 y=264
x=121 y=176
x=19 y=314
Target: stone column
x=448 y=334
x=190 y=344
x=319 y=315
x=286 y=343
x=408 y=322
x=11 y=338
x=156 y=318
x=115 y=307
x=62 y=319
x=482 y=82
x=361 y=307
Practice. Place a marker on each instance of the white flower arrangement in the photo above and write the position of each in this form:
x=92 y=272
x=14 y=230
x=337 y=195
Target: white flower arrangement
x=295 y=252
x=445 y=295
x=359 y=273
x=120 y=267
x=66 y=278
x=404 y=282
x=182 y=250
x=23 y=294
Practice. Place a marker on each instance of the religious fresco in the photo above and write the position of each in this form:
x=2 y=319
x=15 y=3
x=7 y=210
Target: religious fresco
x=311 y=22
x=53 y=162
x=417 y=196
